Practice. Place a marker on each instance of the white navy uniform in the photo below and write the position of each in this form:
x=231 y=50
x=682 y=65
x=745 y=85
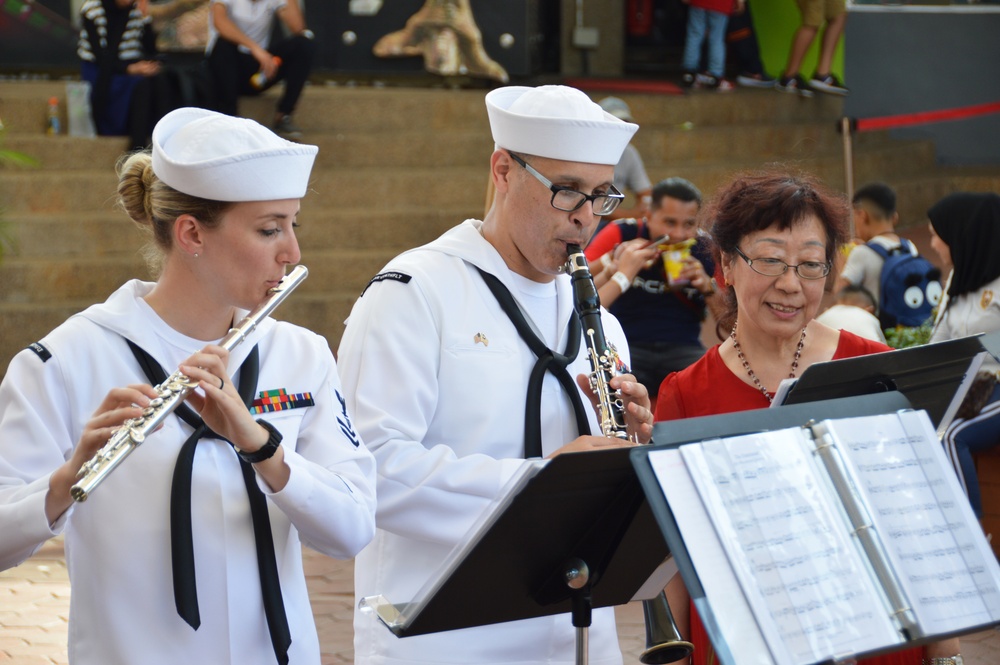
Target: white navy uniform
x=118 y=542
x=970 y=314
x=436 y=377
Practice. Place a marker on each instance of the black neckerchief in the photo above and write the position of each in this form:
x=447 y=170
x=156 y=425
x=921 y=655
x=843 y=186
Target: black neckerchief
x=548 y=360
x=181 y=541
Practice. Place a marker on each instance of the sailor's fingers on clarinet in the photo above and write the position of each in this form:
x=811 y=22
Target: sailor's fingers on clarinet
x=638 y=409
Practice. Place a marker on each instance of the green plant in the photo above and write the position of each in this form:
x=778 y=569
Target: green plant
x=15 y=159
x=901 y=337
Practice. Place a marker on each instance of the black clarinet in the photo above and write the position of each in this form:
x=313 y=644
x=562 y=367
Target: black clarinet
x=664 y=643
x=603 y=357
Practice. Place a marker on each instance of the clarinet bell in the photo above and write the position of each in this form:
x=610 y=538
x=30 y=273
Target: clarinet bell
x=664 y=643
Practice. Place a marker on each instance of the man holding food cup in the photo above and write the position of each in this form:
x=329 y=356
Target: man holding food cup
x=654 y=274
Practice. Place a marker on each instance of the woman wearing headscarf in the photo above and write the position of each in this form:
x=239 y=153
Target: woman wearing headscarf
x=965 y=233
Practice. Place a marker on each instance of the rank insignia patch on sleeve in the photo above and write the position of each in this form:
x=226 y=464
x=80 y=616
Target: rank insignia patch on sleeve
x=40 y=350
x=391 y=275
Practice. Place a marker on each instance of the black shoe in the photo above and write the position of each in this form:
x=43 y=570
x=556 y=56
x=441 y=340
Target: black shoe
x=794 y=85
x=829 y=84
x=286 y=128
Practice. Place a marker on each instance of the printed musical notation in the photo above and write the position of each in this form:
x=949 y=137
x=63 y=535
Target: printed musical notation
x=925 y=525
x=845 y=537
x=794 y=560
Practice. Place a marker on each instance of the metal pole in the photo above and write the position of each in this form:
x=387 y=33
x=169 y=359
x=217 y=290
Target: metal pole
x=845 y=130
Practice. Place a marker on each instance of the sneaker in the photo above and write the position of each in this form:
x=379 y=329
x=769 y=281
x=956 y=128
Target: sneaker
x=688 y=79
x=755 y=81
x=724 y=85
x=712 y=82
x=794 y=85
x=705 y=81
x=286 y=128
x=828 y=84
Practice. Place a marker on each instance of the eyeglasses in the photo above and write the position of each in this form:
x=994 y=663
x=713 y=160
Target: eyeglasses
x=775 y=267
x=568 y=199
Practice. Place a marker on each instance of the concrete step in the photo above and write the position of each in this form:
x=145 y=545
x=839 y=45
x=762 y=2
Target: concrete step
x=324 y=108
x=399 y=147
x=917 y=193
x=43 y=280
x=73 y=191
x=65 y=152
x=62 y=236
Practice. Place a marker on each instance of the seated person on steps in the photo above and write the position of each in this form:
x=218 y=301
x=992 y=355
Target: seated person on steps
x=240 y=47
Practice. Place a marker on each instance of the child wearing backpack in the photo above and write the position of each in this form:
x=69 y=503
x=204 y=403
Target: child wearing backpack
x=906 y=286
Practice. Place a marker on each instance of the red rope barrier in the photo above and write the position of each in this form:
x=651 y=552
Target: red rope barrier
x=924 y=117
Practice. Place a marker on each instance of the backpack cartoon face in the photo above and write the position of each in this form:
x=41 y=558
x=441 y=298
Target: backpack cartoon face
x=919 y=290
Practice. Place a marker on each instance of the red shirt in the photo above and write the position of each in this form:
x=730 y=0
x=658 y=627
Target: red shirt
x=708 y=387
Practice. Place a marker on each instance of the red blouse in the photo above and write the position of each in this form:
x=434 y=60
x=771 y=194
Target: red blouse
x=708 y=387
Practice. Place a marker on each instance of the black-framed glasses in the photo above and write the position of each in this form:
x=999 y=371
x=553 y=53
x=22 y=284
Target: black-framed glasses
x=568 y=199
x=775 y=267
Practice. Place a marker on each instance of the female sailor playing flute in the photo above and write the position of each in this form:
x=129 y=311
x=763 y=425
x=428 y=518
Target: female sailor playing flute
x=190 y=551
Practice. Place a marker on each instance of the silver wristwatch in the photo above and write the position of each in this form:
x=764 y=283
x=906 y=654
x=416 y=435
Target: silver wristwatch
x=947 y=660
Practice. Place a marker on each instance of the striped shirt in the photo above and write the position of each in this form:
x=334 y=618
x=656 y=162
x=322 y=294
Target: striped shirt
x=95 y=28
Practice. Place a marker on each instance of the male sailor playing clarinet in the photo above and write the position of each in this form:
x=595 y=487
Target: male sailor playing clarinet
x=190 y=552
x=437 y=361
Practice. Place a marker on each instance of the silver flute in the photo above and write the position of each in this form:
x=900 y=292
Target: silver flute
x=170 y=394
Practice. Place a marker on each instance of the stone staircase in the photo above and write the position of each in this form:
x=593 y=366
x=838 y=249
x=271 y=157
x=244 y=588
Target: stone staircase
x=396 y=167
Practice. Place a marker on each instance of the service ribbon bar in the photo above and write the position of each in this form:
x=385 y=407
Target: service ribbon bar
x=279 y=400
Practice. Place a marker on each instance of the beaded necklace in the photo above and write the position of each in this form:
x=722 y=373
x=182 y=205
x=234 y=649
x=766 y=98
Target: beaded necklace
x=746 y=364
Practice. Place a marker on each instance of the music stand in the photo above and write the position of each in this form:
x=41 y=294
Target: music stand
x=577 y=535
x=934 y=377
x=991 y=343
x=670 y=434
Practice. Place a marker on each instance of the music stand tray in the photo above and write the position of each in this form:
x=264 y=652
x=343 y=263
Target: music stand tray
x=934 y=377
x=578 y=506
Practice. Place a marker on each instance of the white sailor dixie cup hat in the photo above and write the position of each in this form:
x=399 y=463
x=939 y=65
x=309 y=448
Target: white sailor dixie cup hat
x=558 y=122
x=223 y=158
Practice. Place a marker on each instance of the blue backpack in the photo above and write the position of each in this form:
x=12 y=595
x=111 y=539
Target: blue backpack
x=909 y=286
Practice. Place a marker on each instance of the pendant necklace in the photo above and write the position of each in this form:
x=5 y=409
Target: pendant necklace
x=746 y=364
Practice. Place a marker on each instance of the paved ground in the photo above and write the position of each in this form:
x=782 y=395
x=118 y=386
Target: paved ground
x=34 y=605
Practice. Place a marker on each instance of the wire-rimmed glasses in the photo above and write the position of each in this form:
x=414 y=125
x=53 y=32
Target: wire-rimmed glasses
x=775 y=267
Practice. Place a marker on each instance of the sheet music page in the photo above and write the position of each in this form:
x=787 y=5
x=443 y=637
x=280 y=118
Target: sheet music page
x=781 y=393
x=732 y=613
x=934 y=541
x=789 y=546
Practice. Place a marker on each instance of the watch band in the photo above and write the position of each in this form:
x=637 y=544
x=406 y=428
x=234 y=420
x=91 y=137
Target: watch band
x=946 y=660
x=266 y=451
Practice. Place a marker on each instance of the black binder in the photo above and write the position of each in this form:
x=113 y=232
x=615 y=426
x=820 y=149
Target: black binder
x=672 y=434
